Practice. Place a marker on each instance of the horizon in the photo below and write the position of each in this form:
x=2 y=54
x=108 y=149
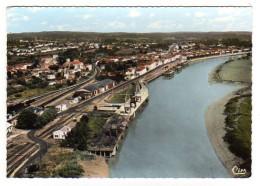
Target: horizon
x=138 y=32
x=129 y=19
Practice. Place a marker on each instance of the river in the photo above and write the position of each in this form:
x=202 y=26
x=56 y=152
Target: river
x=169 y=137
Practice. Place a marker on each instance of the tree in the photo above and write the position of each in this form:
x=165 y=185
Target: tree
x=47 y=116
x=27 y=120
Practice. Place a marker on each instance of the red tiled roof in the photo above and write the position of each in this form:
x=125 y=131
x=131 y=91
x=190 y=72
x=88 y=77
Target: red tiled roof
x=10 y=68
x=76 y=62
x=150 y=63
x=140 y=68
x=46 y=57
x=23 y=70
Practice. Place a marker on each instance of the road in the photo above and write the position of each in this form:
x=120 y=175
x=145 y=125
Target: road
x=43 y=148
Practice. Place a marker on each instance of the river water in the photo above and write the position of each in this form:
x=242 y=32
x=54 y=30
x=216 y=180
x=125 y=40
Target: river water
x=169 y=137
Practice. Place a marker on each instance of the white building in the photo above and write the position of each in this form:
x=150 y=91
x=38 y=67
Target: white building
x=9 y=127
x=88 y=66
x=130 y=73
x=62 y=133
x=77 y=65
x=75 y=100
x=151 y=65
x=52 y=83
x=140 y=71
x=50 y=76
x=61 y=107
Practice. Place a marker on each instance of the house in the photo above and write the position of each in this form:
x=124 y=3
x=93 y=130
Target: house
x=47 y=59
x=75 y=100
x=88 y=67
x=151 y=65
x=96 y=88
x=9 y=127
x=166 y=60
x=78 y=65
x=130 y=71
x=61 y=107
x=61 y=80
x=140 y=71
x=46 y=62
x=22 y=66
x=52 y=83
x=50 y=76
x=61 y=133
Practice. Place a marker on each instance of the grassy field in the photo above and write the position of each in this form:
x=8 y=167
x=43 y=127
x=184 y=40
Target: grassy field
x=238 y=70
x=30 y=92
x=120 y=97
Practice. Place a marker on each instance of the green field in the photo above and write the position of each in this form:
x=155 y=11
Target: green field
x=120 y=96
x=30 y=92
x=238 y=70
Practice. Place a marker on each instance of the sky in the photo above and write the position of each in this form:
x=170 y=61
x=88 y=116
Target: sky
x=123 y=19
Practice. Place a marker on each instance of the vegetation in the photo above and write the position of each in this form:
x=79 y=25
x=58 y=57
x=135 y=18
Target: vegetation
x=46 y=117
x=109 y=38
x=120 y=97
x=71 y=54
x=84 y=132
x=29 y=120
x=70 y=170
x=238 y=70
x=61 y=162
x=32 y=87
x=238 y=127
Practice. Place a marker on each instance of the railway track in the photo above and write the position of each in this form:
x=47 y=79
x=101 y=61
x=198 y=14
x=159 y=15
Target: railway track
x=17 y=151
x=62 y=122
x=54 y=126
x=13 y=165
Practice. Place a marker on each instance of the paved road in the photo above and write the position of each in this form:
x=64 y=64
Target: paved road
x=43 y=149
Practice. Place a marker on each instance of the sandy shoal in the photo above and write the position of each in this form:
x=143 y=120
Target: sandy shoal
x=96 y=168
x=215 y=124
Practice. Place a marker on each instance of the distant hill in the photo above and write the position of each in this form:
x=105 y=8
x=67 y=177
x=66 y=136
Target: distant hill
x=97 y=36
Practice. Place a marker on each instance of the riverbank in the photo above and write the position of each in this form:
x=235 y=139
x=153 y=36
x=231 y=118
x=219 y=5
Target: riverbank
x=215 y=124
x=235 y=72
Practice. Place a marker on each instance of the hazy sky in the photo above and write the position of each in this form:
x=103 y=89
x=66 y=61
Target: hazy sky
x=34 y=19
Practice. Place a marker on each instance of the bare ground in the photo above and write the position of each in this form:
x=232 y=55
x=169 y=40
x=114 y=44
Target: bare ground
x=96 y=168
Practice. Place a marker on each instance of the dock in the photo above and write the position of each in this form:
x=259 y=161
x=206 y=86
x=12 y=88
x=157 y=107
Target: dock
x=106 y=143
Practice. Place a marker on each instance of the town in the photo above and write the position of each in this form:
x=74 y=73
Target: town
x=58 y=87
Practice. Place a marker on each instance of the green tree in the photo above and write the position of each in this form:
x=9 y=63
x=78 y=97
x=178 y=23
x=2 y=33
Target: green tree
x=46 y=117
x=27 y=120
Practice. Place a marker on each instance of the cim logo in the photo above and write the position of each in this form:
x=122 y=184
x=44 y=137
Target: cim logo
x=238 y=171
